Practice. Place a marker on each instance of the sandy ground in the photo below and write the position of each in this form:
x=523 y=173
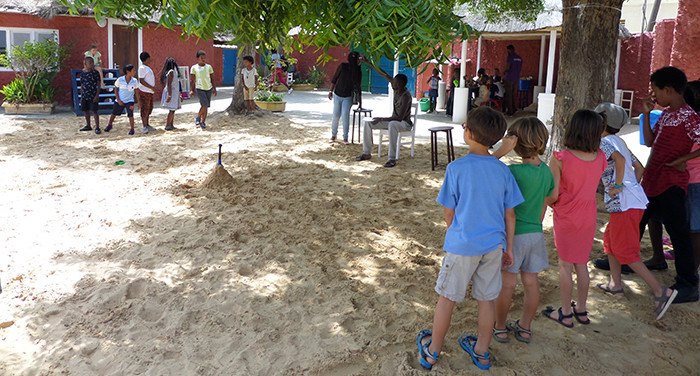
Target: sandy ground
x=296 y=260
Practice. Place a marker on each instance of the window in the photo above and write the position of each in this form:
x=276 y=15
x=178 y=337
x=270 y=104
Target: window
x=10 y=37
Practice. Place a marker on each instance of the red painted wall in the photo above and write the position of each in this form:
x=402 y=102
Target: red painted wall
x=663 y=44
x=686 y=39
x=83 y=31
x=309 y=58
x=635 y=63
x=70 y=29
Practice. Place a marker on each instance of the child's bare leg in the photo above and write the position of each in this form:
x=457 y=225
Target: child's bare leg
x=87 y=118
x=657 y=242
x=171 y=118
x=97 y=119
x=615 y=273
x=131 y=122
x=583 y=281
x=111 y=119
x=203 y=113
x=531 y=285
x=487 y=314
x=441 y=322
x=566 y=288
x=648 y=277
x=510 y=280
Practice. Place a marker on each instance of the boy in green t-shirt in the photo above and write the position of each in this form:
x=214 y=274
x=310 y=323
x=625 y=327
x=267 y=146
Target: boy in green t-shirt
x=528 y=137
x=202 y=74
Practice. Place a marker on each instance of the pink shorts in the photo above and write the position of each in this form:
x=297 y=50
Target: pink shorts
x=621 y=238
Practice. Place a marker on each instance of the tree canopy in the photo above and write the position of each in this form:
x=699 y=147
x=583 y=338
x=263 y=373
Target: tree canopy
x=418 y=30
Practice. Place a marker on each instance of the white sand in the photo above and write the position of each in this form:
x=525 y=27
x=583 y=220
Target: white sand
x=306 y=263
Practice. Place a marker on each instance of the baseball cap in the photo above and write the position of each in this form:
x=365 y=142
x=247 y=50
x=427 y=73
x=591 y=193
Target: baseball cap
x=616 y=116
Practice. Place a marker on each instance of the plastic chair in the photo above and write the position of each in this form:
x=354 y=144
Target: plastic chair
x=411 y=133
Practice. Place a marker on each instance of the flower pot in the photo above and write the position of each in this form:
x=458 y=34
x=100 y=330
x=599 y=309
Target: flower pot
x=271 y=106
x=279 y=88
x=28 y=108
x=303 y=87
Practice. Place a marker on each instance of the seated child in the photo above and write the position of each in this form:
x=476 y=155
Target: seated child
x=475 y=244
x=625 y=201
x=484 y=92
x=498 y=94
x=528 y=137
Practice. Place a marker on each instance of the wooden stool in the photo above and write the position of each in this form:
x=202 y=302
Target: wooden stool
x=433 y=145
x=362 y=112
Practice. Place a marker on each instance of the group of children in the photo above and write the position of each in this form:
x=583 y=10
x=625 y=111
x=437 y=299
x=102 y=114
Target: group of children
x=494 y=214
x=137 y=87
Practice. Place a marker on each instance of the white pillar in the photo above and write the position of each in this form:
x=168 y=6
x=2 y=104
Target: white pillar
x=550 y=62
x=543 y=44
x=396 y=71
x=617 y=63
x=461 y=94
x=478 y=57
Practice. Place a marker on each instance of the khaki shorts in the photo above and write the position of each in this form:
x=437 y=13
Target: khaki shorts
x=248 y=93
x=483 y=271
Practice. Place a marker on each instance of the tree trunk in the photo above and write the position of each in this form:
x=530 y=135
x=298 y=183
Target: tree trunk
x=587 y=59
x=237 y=105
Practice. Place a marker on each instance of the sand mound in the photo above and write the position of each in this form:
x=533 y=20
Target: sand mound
x=218 y=178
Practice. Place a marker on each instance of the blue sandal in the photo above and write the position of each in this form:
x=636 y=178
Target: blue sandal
x=423 y=352
x=467 y=342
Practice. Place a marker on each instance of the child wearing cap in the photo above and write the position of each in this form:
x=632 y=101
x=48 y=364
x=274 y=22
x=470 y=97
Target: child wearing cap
x=626 y=201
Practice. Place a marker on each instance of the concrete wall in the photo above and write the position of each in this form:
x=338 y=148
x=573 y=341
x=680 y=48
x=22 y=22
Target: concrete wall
x=635 y=63
x=686 y=39
x=309 y=58
x=80 y=32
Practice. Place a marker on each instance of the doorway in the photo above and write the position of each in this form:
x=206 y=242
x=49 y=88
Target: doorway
x=125 y=46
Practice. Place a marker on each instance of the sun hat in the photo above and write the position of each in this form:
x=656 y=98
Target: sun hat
x=616 y=116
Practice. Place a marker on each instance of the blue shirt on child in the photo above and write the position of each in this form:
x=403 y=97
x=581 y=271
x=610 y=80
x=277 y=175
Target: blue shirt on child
x=479 y=188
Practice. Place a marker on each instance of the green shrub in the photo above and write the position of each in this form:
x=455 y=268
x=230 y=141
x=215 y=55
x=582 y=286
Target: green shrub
x=36 y=65
x=15 y=92
x=314 y=77
x=268 y=96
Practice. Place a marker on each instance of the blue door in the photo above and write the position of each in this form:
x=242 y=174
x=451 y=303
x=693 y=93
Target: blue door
x=380 y=85
x=229 y=69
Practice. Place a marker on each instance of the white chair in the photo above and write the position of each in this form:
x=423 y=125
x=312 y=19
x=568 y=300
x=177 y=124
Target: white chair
x=411 y=133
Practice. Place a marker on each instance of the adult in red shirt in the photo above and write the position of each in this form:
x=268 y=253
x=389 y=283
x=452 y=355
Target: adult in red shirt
x=665 y=180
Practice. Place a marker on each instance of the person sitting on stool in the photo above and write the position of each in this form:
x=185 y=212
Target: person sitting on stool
x=399 y=121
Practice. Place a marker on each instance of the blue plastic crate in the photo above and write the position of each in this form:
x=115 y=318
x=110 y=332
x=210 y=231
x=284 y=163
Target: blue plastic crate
x=653 y=118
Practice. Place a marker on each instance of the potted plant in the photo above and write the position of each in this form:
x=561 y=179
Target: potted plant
x=268 y=100
x=35 y=66
x=314 y=79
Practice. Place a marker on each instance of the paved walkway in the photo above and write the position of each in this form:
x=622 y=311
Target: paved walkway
x=314 y=109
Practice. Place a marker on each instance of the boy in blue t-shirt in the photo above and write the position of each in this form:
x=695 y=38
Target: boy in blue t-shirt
x=125 y=87
x=479 y=195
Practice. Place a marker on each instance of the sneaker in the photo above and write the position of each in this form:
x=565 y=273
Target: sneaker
x=332 y=140
x=86 y=128
x=108 y=128
x=346 y=142
x=290 y=91
x=131 y=132
x=390 y=163
x=687 y=294
x=144 y=130
x=98 y=130
x=171 y=128
x=659 y=266
x=197 y=121
x=203 y=125
x=150 y=129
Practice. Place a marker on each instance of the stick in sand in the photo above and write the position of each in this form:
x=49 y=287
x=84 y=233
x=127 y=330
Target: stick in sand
x=219 y=163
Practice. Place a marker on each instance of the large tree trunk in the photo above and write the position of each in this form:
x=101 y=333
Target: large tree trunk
x=237 y=105
x=587 y=59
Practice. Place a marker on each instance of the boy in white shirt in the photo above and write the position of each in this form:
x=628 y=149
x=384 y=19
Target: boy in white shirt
x=125 y=87
x=147 y=86
x=249 y=77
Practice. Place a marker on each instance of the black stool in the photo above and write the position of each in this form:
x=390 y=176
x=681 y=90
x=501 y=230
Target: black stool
x=433 y=145
x=362 y=112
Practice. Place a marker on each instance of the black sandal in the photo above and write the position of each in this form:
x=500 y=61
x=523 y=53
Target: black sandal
x=578 y=314
x=547 y=312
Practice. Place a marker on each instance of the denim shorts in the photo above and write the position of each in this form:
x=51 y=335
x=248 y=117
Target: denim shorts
x=484 y=271
x=692 y=202
x=529 y=253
